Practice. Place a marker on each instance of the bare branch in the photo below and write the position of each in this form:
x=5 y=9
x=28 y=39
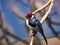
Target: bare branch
x=47 y=13
x=41 y=8
x=32 y=39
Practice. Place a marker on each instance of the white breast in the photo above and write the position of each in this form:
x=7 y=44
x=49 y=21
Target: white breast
x=30 y=27
x=27 y=23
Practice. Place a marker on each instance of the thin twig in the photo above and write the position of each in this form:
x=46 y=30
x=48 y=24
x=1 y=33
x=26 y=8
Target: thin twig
x=33 y=37
x=41 y=8
x=32 y=40
x=47 y=13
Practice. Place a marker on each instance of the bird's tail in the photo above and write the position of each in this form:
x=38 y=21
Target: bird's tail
x=44 y=38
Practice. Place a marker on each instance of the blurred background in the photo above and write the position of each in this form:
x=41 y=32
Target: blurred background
x=12 y=22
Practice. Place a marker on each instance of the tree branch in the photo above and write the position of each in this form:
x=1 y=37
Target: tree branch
x=41 y=8
x=47 y=13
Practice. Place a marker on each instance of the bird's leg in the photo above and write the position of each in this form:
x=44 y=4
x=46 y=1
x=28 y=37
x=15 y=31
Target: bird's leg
x=34 y=33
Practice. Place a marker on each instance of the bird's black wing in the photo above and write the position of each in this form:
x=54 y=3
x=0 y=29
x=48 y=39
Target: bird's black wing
x=40 y=29
x=32 y=22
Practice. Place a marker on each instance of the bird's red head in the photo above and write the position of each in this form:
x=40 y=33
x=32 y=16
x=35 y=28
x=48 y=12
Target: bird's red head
x=29 y=15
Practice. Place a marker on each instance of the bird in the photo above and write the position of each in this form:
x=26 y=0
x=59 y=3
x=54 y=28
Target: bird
x=34 y=24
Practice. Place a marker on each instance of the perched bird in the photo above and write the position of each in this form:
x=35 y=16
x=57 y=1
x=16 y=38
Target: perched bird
x=34 y=24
